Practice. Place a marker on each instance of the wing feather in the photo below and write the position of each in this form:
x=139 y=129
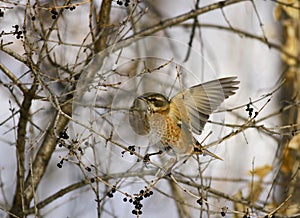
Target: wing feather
x=198 y=102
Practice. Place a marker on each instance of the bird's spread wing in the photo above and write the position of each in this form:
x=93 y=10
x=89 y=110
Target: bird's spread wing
x=198 y=102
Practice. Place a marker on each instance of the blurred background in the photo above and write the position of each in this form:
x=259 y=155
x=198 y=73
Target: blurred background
x=70 y=72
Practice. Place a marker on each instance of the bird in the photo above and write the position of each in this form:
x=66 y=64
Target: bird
x=171 y=123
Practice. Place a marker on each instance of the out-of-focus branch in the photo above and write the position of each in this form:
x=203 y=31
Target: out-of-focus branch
x=20 y=201
x=244 y=33
x=183 y=210
x=174 y=21
x=184 y=17
x=44 y=153
x=289 y=18
x=102 y=26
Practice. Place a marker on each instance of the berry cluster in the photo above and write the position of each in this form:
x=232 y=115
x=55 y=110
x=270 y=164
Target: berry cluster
x=71 y=8
x=249 y=109
x=131 y=148
x=18 y=32
x=126 y=3
x=63 y=134
x=110 y=194
x=54 y=13
x=136 y=201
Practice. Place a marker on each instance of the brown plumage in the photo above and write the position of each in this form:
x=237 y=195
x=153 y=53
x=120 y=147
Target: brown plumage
x=172 y=122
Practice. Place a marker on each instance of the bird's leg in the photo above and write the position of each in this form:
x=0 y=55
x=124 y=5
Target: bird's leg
x=166 y=169
x=147 y=156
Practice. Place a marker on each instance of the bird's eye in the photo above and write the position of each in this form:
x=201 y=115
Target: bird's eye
x=158 y=103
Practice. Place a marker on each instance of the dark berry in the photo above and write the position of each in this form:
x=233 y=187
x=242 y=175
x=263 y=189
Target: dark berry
x=138 y=206
x=110 y=195
x=53 y=11
x=63 y=134
x=199 y=201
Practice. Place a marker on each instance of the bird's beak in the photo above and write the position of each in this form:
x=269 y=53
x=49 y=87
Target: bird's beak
x=142 y=97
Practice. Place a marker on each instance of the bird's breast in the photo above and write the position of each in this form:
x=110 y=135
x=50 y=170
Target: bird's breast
x=166 y=133
x=163 y=128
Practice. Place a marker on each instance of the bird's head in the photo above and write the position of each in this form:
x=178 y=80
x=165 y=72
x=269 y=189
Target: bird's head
x=155 y=102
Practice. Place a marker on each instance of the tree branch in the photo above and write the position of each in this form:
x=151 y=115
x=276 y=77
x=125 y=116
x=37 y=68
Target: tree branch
x=20 y=201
